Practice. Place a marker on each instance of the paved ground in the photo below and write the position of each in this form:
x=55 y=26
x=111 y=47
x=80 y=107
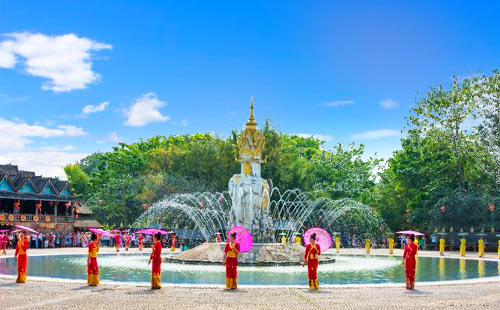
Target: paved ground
x=56 y=295
x=39 y=295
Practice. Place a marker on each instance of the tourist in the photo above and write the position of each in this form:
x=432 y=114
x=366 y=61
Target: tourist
x=230 y=259
x=156 y=258
x=92 y=267
x=127 y=241
x=5 y=243
x=409 y=262
x=117 y=241
x=141 y=242
x=311 y=257
x=1 y=243
x=21 y=256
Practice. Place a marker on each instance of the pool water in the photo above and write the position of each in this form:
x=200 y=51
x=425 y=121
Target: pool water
x=348 y=269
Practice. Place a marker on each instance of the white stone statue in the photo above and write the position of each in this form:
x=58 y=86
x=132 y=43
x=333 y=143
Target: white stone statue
x=249 y=191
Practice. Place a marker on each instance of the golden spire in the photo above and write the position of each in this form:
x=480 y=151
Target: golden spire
x=251 y=120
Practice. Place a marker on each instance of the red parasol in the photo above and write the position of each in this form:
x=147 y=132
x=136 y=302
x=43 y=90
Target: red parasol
x=28 y=229
x=323 y=238
x=243 y=237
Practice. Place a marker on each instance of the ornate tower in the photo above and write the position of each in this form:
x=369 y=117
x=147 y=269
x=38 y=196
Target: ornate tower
x=249 y=191
x=251 y=145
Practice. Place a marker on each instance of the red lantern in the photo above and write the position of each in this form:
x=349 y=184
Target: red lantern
x=443 y=209
x=492 y=207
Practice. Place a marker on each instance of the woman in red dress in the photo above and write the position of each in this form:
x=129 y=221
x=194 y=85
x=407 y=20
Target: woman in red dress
x=230 y=259
x=156 y=258
x=93 y=269
x=5 y=243
x=127 y=241
x=141 y=242
x=21 y=256
x=311 y=257
x=409 y=261
x=117 y=242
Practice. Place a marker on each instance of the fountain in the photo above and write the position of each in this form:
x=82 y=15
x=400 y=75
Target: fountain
x=252 y=202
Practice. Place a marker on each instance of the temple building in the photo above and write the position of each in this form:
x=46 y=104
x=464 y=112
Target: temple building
x=44 y=204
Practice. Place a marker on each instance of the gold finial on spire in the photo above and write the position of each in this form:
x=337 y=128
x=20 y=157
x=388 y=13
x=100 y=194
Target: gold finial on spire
x=251 y=120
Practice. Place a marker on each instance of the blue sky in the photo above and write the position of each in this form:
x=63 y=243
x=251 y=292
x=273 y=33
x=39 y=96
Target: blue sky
x=76 y=78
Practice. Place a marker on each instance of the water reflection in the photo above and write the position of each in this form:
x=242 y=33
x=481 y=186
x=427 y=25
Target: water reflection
x=442 y=269
x=480 y=268
x=462 y=268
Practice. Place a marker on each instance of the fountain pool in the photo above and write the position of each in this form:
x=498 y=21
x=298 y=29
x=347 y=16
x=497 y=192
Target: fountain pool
x=348 y=269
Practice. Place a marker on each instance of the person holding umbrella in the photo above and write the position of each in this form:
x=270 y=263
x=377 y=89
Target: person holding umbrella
x=311 y=257
x=409 y=261
x=21 y=256
x=92 y=267
x=230 y=260
x=156 y=259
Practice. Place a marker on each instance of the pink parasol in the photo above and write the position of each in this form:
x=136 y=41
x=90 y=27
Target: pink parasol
x=28 y=229
x=116 y=231
x=15 y=231
x=101 y=232
x=410 y=232
x=4 y=230
x=323 y=238
x=152 y=231
x=243 y=237
x=125 y=231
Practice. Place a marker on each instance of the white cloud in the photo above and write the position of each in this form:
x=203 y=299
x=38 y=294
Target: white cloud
x=184 y=123
x=325 y=138
x=89 y=109
x=145 y=110
x=47 y=163
x=64 y=60
x=388 y=104
x=337 y=103
x=376 y=134
x=15 y=147
x=17 y=129
x=112 y=136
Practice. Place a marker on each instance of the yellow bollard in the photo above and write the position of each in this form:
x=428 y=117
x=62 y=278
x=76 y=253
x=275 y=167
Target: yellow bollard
x=367 y=245
x=337 y=245
x=283 y=240
x=463 y=246
x=498 y=249
x=298 y=240
x=480 y=247
x=391 y=246
x=441 y=246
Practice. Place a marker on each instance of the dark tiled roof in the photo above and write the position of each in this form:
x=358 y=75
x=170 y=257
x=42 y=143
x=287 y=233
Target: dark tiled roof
x=9 y=169
x=28 y=174
x=19 y=177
